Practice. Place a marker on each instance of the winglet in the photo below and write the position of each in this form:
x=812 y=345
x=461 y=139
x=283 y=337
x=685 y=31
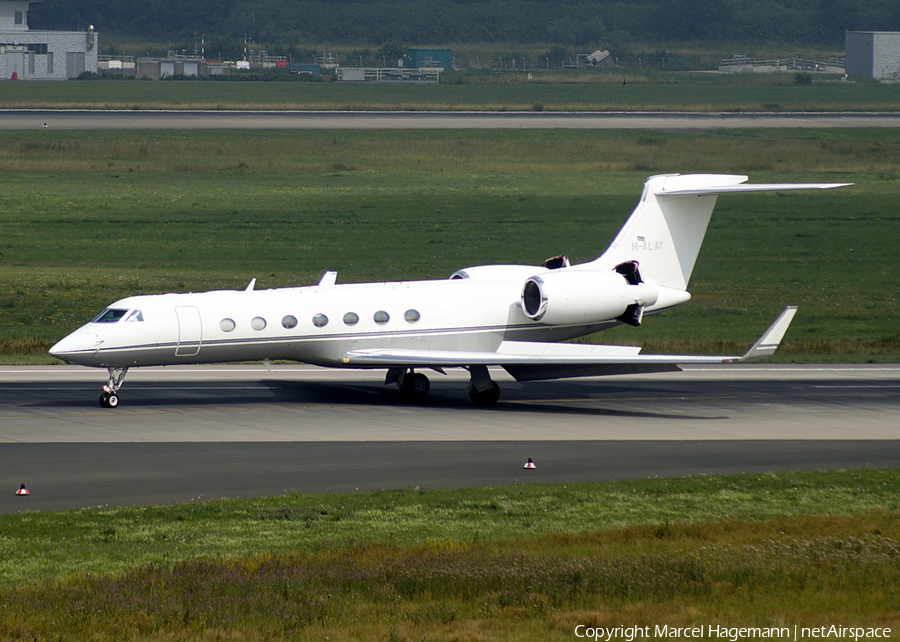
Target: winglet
x=767 y=344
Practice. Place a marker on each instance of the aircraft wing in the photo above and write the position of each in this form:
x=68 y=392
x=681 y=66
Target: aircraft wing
x=531 y=361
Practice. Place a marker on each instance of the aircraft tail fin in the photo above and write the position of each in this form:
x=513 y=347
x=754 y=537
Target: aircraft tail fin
x=666 y=229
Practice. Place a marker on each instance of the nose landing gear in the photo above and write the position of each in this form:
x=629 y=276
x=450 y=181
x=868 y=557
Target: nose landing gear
x=110 y=396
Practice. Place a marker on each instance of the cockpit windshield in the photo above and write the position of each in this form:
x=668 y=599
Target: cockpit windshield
x=114 y=315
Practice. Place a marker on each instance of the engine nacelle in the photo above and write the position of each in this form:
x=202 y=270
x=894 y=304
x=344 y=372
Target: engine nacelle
x=573 y=297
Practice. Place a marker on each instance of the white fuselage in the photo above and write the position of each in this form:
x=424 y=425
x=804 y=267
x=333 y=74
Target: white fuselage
x=319 y=324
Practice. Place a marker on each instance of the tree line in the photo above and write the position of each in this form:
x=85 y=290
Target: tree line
x=288 y=23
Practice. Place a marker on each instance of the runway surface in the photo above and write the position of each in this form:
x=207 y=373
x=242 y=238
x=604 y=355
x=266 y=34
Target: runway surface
x=189 y=433
x=83 y=119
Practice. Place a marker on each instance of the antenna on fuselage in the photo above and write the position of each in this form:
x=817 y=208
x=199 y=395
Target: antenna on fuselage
x=251 y=286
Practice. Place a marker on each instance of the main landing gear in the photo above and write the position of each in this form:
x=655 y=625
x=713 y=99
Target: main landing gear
x=483 y=391
x=414 y=386
x=110 y=396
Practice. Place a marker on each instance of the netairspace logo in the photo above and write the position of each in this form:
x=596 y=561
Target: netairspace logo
x=732 y=634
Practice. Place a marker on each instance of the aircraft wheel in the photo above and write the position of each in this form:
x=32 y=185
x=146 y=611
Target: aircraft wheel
x=104 y=400
x=112 y=401
x=415 y=387
x=487 y=398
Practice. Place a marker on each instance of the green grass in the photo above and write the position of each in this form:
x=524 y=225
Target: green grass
x=504 y=92
x=514 y=563
x=90 y=217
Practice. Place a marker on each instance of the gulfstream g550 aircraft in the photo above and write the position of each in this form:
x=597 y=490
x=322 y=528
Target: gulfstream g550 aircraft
x=512 y=316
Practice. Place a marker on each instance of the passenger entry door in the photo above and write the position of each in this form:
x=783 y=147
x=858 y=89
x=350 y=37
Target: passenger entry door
x=190 y=332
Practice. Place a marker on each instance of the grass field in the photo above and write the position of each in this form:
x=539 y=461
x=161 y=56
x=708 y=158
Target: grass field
x=90 y=217
x=529 y=562
x=504 y=92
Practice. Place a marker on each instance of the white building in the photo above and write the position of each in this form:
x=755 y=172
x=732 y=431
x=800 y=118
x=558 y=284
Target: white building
x=42 y=55
x=873 y=54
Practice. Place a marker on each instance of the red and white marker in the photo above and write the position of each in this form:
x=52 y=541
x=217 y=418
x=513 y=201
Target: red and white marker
x=529 y=465
x=22 y=492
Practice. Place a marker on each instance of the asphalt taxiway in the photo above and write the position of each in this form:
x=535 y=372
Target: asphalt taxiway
x=203 y=432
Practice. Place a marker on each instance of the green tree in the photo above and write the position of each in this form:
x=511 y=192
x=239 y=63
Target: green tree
x=392 y=51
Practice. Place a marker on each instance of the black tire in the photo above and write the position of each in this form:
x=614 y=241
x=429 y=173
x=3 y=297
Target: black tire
x=112 y=401
x=104 y=400
x=487 y=398
x=415 y=387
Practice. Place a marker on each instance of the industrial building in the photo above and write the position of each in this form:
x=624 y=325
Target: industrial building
x=42 y=55
x=873 y=54
x=175 y=65
x=417 y=66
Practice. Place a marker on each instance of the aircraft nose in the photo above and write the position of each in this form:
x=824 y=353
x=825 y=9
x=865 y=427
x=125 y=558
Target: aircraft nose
x=76 y=347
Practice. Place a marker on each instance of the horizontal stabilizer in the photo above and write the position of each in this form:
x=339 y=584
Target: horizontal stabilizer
x=760 y=187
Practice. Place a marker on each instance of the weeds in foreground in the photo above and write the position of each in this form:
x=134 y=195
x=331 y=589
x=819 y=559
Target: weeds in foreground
x=427 y=588
x=754 y=550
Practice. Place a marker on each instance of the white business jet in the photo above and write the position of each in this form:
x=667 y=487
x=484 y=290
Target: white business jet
x=512 y=316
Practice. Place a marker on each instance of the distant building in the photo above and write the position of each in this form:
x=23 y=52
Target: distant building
x=303 y=70
x=389 y=74
x=42 y=55
x=173 y=66
x=873 y=54
x=429 y=59
x=416 y=66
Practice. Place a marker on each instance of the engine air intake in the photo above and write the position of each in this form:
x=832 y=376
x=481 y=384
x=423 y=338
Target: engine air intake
x=534 y=302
